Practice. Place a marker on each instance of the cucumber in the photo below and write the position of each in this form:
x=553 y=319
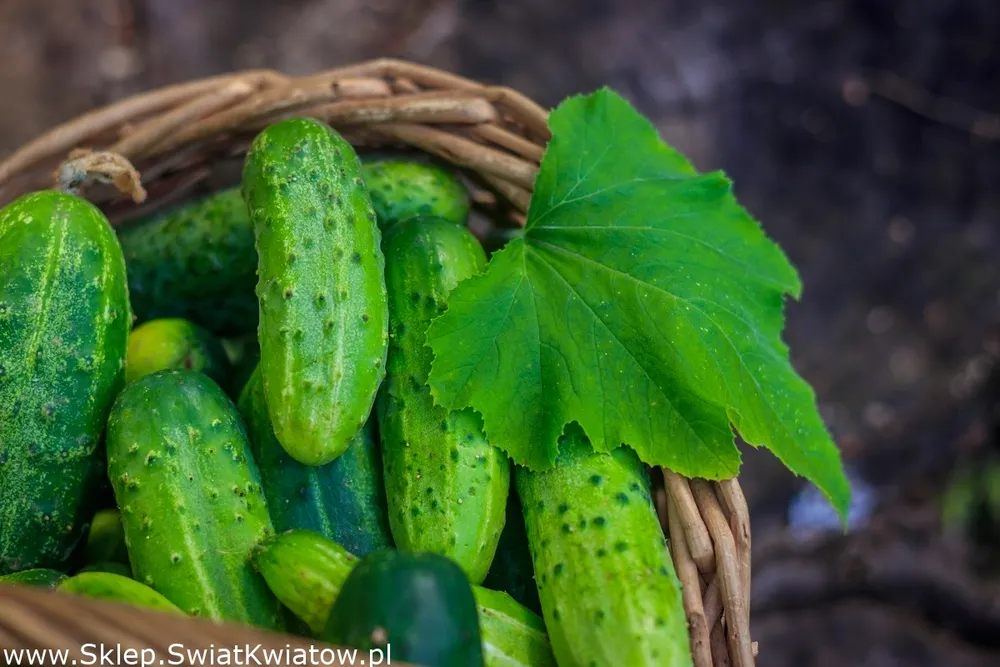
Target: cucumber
x=306 y=572
x=175 y=343
x=121 y=569
x=64 y=323
x=244 y=357
x=106 y=539
x=190 y=495
x=116 y=588
x=323 y=311
x=512 y=571
x=513 y=636
x=40 y=577
x=419 y=606
x=446 y=485
x=402 y=189
x=605 y=579
x=343 y=500
x=195 y=261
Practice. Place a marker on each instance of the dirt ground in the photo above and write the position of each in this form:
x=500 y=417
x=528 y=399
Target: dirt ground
x=866 y=138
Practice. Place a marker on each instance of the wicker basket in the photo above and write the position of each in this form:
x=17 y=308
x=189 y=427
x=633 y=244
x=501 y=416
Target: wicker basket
x=190 y=138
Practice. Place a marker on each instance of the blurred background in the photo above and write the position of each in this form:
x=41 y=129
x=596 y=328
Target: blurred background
x=866 y=138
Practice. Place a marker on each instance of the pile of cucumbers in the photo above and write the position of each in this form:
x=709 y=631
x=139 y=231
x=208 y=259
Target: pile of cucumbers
x=222 y=411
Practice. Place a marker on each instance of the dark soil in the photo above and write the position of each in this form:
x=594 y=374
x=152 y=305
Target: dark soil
x=865 y=137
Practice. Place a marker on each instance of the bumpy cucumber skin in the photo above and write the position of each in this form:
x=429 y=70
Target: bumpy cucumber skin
x=116 y=588
x=513 y=636
x=419 y=605
x=323 y=311
x=305 y=571
x=512 y=571
x=195 y=261
x=190 y=496
x=106 y=539
x=64 y=323
x=40 y=577
x=343 y=500
x=446 y=485
x=402 y=189
x=605 y=578
x=175 y=343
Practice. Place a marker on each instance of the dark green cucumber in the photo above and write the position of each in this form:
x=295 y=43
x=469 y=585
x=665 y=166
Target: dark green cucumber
x=175 y=343
x=195 y=261
x=190 y=496
x=418 y=605
x=121 y=569
x=512 y=571
x=106 y=539
x=40 y=577
x=606 y=582
x=116 y=588
x=305 y=571
x=343 y=500
x=446 y=485
x=323 y=311
x=513 y=636
x=64 y=323
x=402 y=189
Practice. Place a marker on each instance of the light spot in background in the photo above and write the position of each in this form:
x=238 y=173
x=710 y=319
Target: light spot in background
x=809 y=511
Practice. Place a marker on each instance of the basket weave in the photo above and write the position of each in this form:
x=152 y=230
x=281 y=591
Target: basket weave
x=189 y=137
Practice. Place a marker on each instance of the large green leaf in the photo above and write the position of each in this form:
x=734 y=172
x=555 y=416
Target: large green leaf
x=642 y=302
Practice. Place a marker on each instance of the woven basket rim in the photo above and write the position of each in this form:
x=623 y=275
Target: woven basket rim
x=157 y=147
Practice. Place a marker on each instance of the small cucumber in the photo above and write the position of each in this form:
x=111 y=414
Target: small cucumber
x=195 y=261
x=306 y=572
x=512 y=571
x=39 y=577
x=323 y=311
x=402 y=189
x=116 y=588
x=446 y=485
x=605 y=579
x=121 y=569
x=175 y=343
x=64 y=323
x=191 y=497
x=106 y=540
x=419 y=606
x=513 y=636
x=343 y=500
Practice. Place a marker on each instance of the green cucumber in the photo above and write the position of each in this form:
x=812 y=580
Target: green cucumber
x=175 y=343
x=122 y=569
x=402 y=189
x=323 y=311
x=419 y=606
x=40 y=577
x=116 y=588
x=195 y=261
x=512 y=571
x=190 y=496
x=106 y=539
x=244 y=358
x=513 y=636
x=605 y=579
x=343 y=500
x=64 y=323
x=306 y=572
x=446 y=485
